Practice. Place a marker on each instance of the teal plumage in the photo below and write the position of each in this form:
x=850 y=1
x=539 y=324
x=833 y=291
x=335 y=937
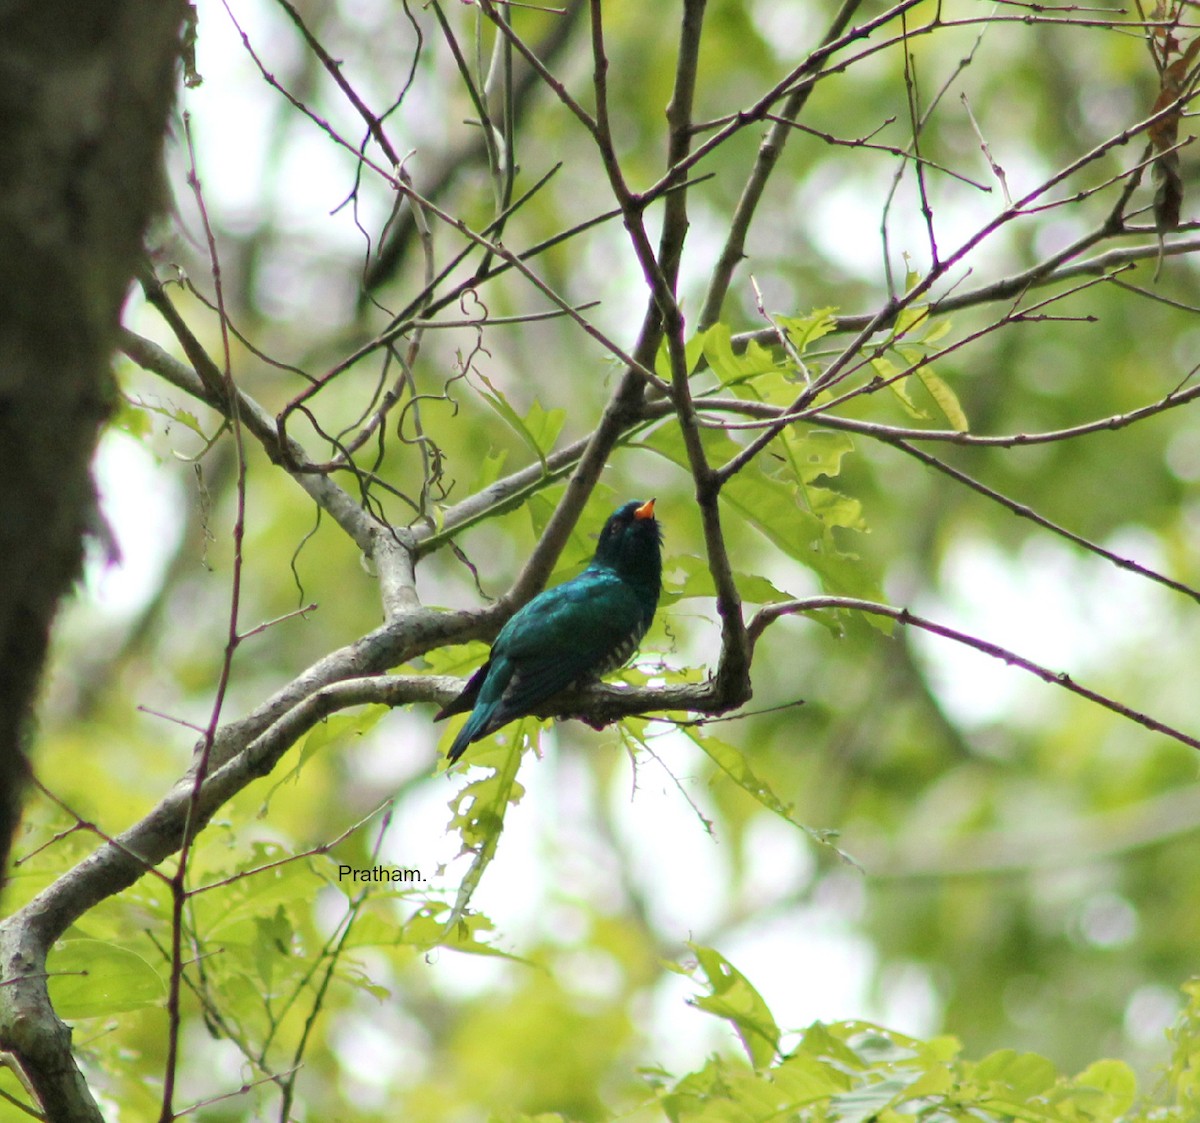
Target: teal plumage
x=577 y=630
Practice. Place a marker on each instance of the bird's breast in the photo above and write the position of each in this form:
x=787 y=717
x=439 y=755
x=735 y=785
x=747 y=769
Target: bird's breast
x=620 y=654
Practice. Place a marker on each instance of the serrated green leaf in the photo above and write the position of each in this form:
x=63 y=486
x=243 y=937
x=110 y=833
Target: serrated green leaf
x=800 y=534
x=544 y=425
x=729 y=367
x=835 y=509
x=817 y=452
x=802 y=331
x=273 y=941
x=544 y=422
x=94 y=978
x=819 y=1041
x=732 y=997
x=725 y=1092
x=685 y=575
x=934 y=1081
x=733 y=763
x=777 y=387
x=478 y=812
x=427 y=929
x=479 y=807
x=328 y=731
x=777 y=507
x=131 y=420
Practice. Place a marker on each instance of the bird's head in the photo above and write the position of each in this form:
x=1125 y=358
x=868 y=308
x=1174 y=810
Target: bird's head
x=631 y=544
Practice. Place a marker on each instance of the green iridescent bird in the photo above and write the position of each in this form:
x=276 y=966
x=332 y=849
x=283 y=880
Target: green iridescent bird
x=580 y=629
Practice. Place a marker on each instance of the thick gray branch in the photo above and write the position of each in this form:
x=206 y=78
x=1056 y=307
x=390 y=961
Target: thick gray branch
x=388 y=547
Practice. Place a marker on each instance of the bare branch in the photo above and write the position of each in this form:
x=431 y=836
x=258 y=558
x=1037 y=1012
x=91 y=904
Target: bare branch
x=771 y=613
x=948 y=436
x=734 y=249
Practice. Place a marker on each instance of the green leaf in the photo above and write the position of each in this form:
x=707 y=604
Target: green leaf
x=1115 y=1086
x=274 y=938
x=805 y=330
x=337 y=727
x=489 y=469
x=427 y=928
x=728 y=367
x=733 y=998
x=234 y=909
x=934 y=1081
x=478 y=816
x=538 y=429
x=833 y=508
x=863 y=1104
x=544 y=425
x=1026 y=1074
x=780 y=508
x=328 y=731
x=692 y=351
x=93 y=978
x=887 y=371
x=731 y=761
x=685 y=575
x=806 y=1079
x=582 y=542
x=523 y=1117
x=774 y=510
x=456 y=659
x=132 y=417
x=946 y=399
x=937 y=329
x=819 y=1041
x=480 y=806
x=913 y=316
x=817 y=452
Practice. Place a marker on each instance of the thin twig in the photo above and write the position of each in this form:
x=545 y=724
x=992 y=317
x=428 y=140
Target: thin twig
x=191 y=826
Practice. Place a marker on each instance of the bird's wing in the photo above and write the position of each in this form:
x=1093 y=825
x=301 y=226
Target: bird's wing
x=563 y=635
x=466 y=699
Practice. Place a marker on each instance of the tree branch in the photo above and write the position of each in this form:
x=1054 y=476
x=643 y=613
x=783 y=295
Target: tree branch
x=772 y=612
x=769 y=150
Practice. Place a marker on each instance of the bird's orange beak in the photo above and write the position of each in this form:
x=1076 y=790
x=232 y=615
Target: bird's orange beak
x=645 y=511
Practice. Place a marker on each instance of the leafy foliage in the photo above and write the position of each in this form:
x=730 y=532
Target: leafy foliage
x=964 y=386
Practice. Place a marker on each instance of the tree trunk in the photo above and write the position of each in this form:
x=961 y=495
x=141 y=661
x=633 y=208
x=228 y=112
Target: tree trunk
x=85 y=93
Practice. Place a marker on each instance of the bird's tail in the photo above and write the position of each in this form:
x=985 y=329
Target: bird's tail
x=473 y=730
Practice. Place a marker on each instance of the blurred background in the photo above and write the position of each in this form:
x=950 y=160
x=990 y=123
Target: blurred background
x=1021 y=866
